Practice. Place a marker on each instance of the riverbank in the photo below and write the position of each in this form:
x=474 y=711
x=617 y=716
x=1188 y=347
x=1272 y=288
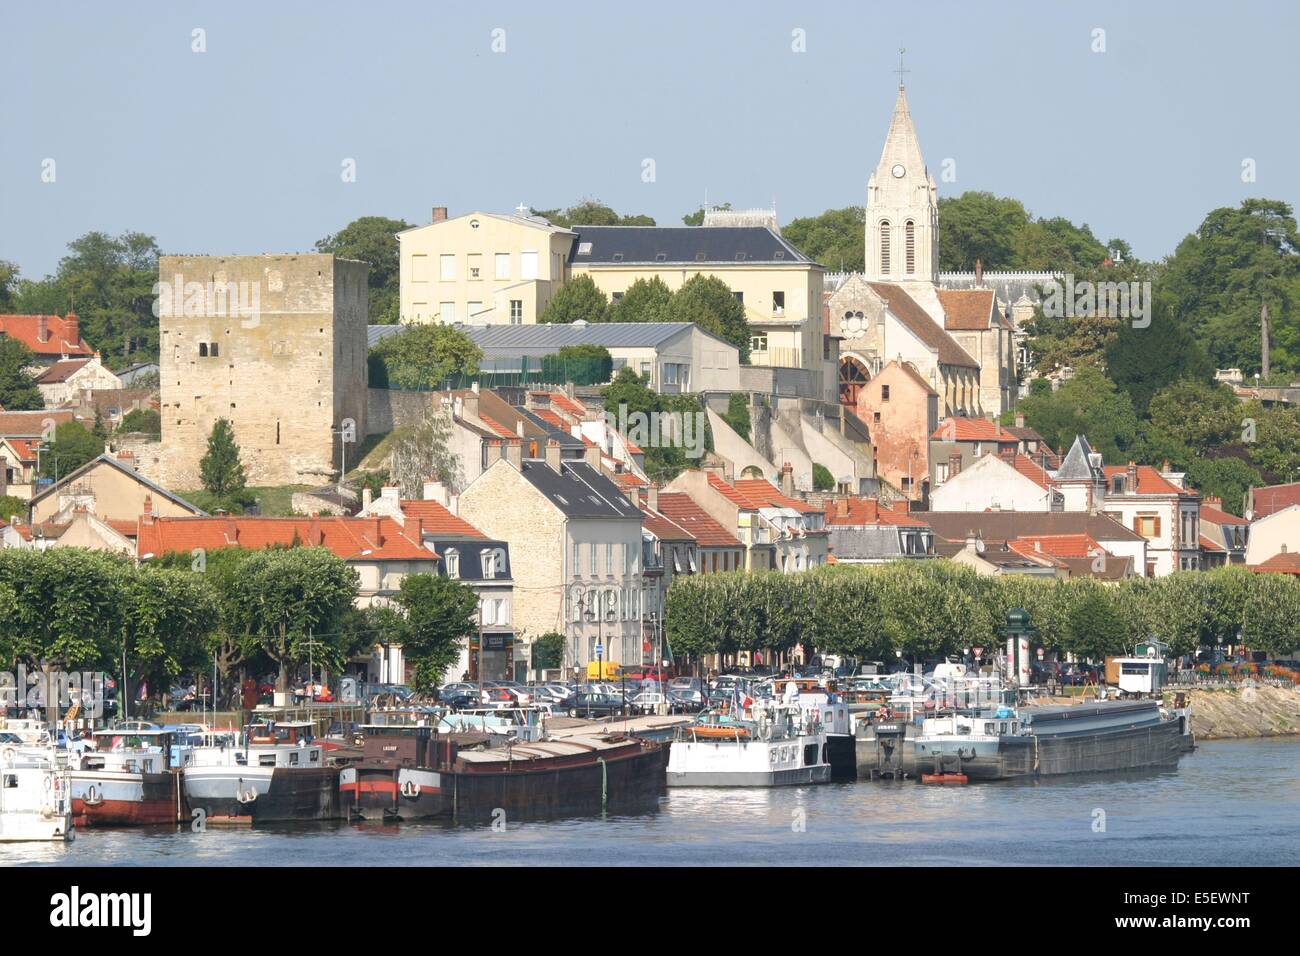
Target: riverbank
x=1231 y=713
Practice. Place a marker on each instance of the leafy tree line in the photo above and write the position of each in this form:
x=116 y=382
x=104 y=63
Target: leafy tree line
x=73 y=609
x=628 y=398
x=931 y=609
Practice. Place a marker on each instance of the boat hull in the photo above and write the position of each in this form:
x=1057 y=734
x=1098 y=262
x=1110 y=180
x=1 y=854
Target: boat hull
x=112 y=799
x=243 y=795
x=36 y=828
x=390 y=794
x=794 y=777
x=782 y=762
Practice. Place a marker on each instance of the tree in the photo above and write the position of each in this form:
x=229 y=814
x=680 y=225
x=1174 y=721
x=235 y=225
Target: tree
x=440 y=614
x=285 y=597
x=1095 y=628
x=18 y=390
x=220 y=468
x=373 y=240
x=709 y=303
x=1225 y=478
x=577 y=300
x=422 y=357
x=737 y=416
x=646 y=300
x=591 y=212
x=548 y=650
x=422 y=450
x=823 y=480
x=1190 y=419
x=697 y=218
x=980 y=226
x=145 y=421
x=167 y=616
x=1142 y=361
x=1089 y=403
x=835 y=238
x=72 y=447
x=11 y=507
x=670 y=450
x=8 y=285
x=579 y=364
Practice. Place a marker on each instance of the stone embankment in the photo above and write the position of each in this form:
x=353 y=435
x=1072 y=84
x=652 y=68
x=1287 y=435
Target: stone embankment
x=1249 y=711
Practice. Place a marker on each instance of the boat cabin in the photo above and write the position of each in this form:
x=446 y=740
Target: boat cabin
x=130 y=751
x=404 y=745
x=293 y=733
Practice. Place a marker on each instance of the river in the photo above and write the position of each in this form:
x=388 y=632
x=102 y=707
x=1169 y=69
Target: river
x=1229 y=803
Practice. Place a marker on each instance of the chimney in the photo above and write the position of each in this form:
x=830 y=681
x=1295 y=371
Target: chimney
x=634 y=496
x=514 y=453
x=366 y=498
x=1007 y=453
x=439 y=214
x=1038 y=546
x=413 y=528
x=473 y=387
x=1209 y=501
x=1131 y=478
x=73 y=326
x=519 y=427
x=391 y=493
x=979 y=273
x=553 y=454
x=148 y=504
x=1020 y=419
x=842 y=507
x=42 y=328
x=970 y=541
x=592 y=456
x=469 y=405
x=315 y=535
x=4 y=479
x=435 y=491
x=787 y=480
x=652 y=498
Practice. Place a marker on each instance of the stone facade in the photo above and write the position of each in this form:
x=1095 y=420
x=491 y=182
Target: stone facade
x=276 y=344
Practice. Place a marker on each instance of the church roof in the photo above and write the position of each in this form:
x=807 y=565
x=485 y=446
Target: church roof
x=918 y=322
x=901 y=142
x=968 y=310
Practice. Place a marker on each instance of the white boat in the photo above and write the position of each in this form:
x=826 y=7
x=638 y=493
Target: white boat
x=127 y=779
x=770 y=743
x=35 y=798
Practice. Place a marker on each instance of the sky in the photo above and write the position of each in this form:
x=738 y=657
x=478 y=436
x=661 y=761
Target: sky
x=245 y=146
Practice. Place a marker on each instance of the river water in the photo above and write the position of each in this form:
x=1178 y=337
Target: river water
x=1229 y=803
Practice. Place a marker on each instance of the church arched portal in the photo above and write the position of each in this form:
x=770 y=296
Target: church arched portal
x=853 y=376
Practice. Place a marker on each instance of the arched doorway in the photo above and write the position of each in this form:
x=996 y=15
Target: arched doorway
x=853 y=376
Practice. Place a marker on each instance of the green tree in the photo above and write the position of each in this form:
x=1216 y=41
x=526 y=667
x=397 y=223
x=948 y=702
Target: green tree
x=285 y=597
x=1088 y=404
x=980 y=226
x=591 y=212
x=627 y=398
x=440 y=614
x=823 y=480
x=18 y=391
x=167 y=617
x=373 y=240
x=11 y=507
x=548 y=650
x=835 y=238
x=737 y=415
x=145 y=421
x=1095 y=628
x=1142 y=361
x=710 y=304
x=646 y=300
x=73 y=446
x=577 y=300
x=579 y=364
x=8 y=285
x=422 y=450
x=424 y=356
x=1225 y=478
x=220 y=469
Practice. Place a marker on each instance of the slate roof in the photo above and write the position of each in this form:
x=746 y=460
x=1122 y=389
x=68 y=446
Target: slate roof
x=613 y=245
x=578 y=490
x=1076 y=465
x=919 y=323
x=542 y=339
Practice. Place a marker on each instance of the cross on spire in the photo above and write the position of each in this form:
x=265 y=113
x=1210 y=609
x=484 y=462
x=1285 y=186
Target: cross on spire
x=901 y=69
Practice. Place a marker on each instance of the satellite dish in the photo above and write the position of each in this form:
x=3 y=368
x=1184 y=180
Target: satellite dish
x=979 y=545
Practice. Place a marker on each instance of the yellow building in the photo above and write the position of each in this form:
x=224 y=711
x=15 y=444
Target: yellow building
x=481 y=268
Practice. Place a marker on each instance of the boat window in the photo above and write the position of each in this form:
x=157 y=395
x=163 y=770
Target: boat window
x=11 y=780
x=293 y=758
x=809 y=755
x=990 y=728
x=266 y=760
x=1003 y=727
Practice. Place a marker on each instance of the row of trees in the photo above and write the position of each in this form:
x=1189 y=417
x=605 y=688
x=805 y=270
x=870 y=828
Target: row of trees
x=930 y=609
x=258 y=611
x=703 y=299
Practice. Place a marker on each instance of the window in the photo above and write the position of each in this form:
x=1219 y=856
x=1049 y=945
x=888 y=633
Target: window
x=758 y=342
x=616 y=297
x=474 y=265
x=884 y=248
x=447 y=312
x=670 y=373
x=447 y=267
x=452 y=562
x=577 y=559
x=502 y=268
x=591 y=568
x=909 y=246
x=528 y=265
x=875 y=416
x=609 y=558
x=1147 y=525
x=203 y=350
x=491 y=562
x=778 y=303
x=740 y=297
x=473 y=309
x=884 y=393
x=516 y=311
x=215 y=349
x=419 y=268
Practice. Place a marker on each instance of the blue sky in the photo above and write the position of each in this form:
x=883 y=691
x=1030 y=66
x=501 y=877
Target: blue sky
x=239 y=149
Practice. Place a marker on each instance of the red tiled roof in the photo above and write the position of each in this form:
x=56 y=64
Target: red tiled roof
x=1033 y=471
x=763 y=492
x=731 y=493
x=663 y=527
x=1269 y=499
x=61 y=371
x=436 y=519
x=24 y=448
x=26 y=329
x=966 y=309
x=629 y=480
x=971 y=429
x=1288 y=562
x=1208 y=545
x=682 y=510
x=127 y=529
x=1057 y=545
x=496 y=426
x=352 y=539
x=869 y=511
x=919 y=323
x=30 y=424
x=1150 y=481
x=562 y=401
x=1218 y=516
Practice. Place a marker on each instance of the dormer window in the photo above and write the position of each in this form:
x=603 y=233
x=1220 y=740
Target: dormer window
x=491 y=562
x=452 y=562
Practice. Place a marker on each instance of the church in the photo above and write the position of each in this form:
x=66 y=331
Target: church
x=907 y=343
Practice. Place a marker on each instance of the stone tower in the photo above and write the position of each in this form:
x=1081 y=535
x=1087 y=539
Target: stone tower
x=902 y=213
x=276 y=344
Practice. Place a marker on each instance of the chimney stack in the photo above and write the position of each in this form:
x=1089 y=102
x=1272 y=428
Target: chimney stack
x=1020 y=419
x=553 y=454
x=1131 y=478
x=73 y=325
x=592 y=456
x=842 y=507
x=652 y=498
x=435 y=491
x=391 y=493
x=42 y=328
x=514 y=453
x=787 y=480
x=979 y=273
x=439 y=214
x=367 y=497
x=634 y=496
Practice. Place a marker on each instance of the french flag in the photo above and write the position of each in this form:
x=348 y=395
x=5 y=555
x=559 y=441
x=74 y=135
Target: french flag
x=742 y=700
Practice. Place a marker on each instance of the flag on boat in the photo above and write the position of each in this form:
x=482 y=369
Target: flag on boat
x=742 y=701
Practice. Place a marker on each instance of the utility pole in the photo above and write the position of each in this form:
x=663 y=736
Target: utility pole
x=1263 y=338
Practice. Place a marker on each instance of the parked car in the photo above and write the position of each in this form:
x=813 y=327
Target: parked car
x=596 y=704
x=685 y=700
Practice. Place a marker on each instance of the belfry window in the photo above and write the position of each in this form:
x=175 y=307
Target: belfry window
x=909 y=239
x=884 y=248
